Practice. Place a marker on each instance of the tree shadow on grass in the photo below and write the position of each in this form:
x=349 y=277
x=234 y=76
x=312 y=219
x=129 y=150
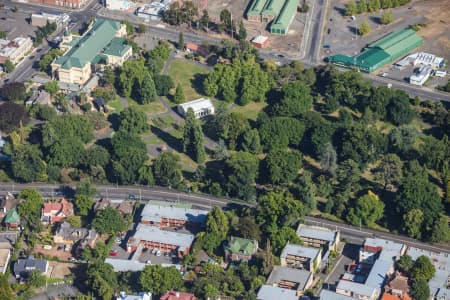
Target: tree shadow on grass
x=170 y=140
x=197 y=83
x=114 y=119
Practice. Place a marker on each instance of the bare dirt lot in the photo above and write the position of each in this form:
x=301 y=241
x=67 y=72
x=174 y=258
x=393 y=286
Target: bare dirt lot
x=60 y=270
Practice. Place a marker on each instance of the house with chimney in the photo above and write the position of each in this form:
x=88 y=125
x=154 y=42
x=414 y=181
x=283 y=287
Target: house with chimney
x=66 y=234
x=175 y=295
x=54 y=212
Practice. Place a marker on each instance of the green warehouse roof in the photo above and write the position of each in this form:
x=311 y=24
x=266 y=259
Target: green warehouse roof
x=392 y=38
x=273 y=7
x=381 y=52
x=90 y=45
x=256 y=7
x=284 y=19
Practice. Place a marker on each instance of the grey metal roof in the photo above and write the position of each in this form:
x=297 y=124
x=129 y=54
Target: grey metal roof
x=124 y=265
x=315 y=232
x=268 y=292
x=29 y=264
x=390 y=249
x=379 y=272
x=356 y=288
x=299 y=250
x=294 y=275
x=154 y=234
x=154 y=213
x=330 y=295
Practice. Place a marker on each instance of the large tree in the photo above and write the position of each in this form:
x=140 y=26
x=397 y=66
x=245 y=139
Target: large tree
x=30 y=209
x=280 y=132
x=13 y=91
x=389 y=171
x=12 y=116
x=367 y=210
x=167 y=169
x=295 y=101
x=83 y=204
x=241 y=170
x=158 y=279
x=133 y=120
x=27 y=164
x=423 y=268
x=420 y=289
x=102 y=279
x=193 y=138
x=109 y=221
x=282 y=165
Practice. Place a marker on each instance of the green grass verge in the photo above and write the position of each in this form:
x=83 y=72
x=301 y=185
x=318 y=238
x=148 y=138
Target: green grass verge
x=151 y=108
x=163 y=121
x=115 y=104
x=251 y=110
x=189 y=75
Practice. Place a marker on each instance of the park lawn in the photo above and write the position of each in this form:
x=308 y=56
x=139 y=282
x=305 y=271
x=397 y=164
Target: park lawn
x=155 y=107
x=115 y=104
x=153 y=140
x=187 y=163
x=251 y=110
x=163 y=122
x=183 y=72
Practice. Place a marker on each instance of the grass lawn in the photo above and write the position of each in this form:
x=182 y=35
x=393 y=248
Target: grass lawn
x=115 y=104
x=251 y=110
x=153 y=140
x=163 y=122
x=188 y=74
x=152 y=108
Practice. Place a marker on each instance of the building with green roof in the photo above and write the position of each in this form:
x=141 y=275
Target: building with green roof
x=12 y=218
x=285 y=18
x=254 y=12
x=103 y=41
x=381 y=52
x=271 y=10
x=240 y=249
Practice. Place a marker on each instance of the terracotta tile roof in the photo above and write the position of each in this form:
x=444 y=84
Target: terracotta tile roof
x=193 y=47
x=174 y=295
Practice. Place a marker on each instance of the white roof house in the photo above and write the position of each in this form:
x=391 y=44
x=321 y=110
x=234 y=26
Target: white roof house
x=388 y=250
x=357 y=290
x=268 y=292
x=140 y=296
x=421 y=76
x=202 y=107
x=330 y=295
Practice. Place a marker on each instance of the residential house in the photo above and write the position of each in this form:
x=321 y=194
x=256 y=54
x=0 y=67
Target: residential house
x=12 y=219
x=140 y=296
x=101 y=204
x=7 y=203
x=292 y=279
x=330 y=295
x=68 y=235
x=301 y=257
x=268 y=292
x=24 y=266
x=53 y=212
x=260 y=41
x=175 y=295
x=357 y=290
x=163 y=215
x=5 y=255
x=197 y=49
x=202 y=107
x=319 y=237
x=398 y=286
x=124 y=207
x=240 y=249
x=15 y=50
x=103 y=41
x=166 y=241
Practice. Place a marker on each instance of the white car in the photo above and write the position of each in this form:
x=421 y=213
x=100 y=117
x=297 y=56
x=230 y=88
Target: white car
x=158 y=253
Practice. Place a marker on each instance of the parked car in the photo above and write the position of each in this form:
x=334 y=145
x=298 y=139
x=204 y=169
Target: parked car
x=113 y=253
x=158 y=253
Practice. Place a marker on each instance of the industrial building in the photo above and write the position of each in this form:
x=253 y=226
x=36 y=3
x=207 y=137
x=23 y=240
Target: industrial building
x=103 y=41
x=421 y=76
x=277 y=12
x=421 y=59
x=153 y=10
x=40 y=20
x=379 y=53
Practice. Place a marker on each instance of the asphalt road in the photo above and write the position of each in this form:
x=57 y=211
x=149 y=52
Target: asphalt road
x=357 y=235
x=141 y=193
